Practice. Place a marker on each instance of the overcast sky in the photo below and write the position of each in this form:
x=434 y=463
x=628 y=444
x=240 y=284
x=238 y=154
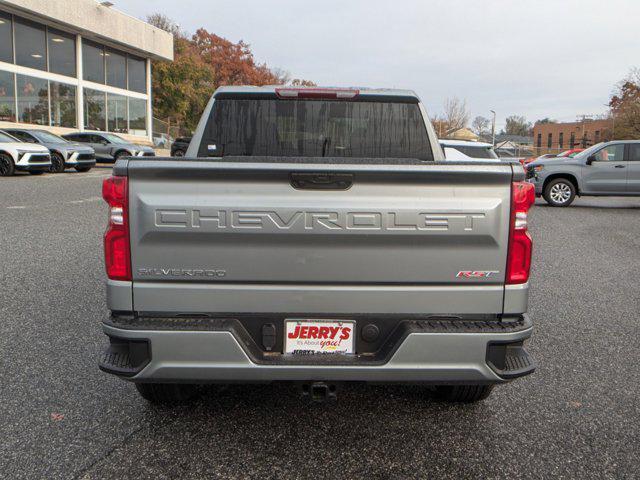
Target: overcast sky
x=540 y=58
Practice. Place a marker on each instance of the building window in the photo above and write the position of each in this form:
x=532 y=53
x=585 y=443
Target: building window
x=92 y=62
x=561 y=140
x=94 y=110
x=137 y=74
x=539 y=142
x=117 y=111
x=573 y=140
x=550 y=140
x=596 y=137
x=137 y=116
x=62 y=52
x=31 y=44
x=63 y=105
x=116 y=69
x=33 y=100
x=6 y=38
x=7 y=97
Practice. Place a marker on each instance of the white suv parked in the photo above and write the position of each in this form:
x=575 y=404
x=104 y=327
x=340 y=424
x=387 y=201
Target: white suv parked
x=17 y=155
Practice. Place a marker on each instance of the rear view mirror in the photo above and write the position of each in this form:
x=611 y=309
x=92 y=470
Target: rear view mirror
x=591 y=159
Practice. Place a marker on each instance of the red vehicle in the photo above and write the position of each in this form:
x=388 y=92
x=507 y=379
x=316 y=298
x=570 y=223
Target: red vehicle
x=570 y=153
x=566 y=154
x=524 y=161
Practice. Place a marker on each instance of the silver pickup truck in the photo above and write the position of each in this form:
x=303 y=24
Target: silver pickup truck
x=316 y=236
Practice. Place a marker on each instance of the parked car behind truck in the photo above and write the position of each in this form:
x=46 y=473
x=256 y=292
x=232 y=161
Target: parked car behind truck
x=461 y=150
x=109 y=147
x=605 y=169
x=179 y=146
x=64 y=154
x=19 y=156
x=327 y=243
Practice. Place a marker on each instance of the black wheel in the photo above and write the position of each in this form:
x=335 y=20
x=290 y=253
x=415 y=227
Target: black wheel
x=559 y=192
x=36 y=172
x=121 y=154
x=179 y=153
x=57 y=163
x=463 y=393
x=82 y=169
x=7 y=167
x=167 y=393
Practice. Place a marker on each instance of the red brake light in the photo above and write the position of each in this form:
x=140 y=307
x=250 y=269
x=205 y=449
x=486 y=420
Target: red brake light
x=520 y=244
x=117 y=255
x=335 y=93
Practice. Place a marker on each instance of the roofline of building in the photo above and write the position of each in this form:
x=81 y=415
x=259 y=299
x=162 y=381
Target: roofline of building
x=97 y=22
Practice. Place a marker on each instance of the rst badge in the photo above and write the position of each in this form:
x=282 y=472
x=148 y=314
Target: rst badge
x=476 y=273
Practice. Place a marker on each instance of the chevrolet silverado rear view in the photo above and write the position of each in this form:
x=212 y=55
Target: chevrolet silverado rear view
x=316 y=236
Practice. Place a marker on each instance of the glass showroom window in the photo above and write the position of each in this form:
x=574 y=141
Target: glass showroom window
x=33 y=100
x=6 y=38
x=117 y=110
x=31 y=44
x=92 y=62
x=137 y=116
x=62 y=52
x=63 y=105
x=94 y=110
x=7 y=97
x=137 y=74
x=116 y=69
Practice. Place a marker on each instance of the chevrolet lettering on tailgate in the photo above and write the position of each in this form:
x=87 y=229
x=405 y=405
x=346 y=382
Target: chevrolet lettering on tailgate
x=219 y=219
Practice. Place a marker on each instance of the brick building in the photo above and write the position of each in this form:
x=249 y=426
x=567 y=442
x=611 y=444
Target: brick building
x=556 y=137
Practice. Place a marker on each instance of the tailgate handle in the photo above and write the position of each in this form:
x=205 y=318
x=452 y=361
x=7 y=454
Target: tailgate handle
x=322 y=181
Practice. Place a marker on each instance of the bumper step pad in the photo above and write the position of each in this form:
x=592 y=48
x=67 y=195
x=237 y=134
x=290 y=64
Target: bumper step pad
x=510 y=360
x=125 y=357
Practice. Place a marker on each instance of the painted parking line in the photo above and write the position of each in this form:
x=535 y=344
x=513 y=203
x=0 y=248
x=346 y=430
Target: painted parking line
x=68 y=202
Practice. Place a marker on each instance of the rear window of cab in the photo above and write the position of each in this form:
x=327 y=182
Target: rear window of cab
x=315 y=128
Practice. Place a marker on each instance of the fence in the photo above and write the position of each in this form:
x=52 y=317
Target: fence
x=164 y=132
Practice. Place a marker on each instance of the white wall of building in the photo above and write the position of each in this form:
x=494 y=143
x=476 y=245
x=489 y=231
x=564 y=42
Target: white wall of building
x=88 y=22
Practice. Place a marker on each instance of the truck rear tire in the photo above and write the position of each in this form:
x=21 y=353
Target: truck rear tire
x=167 y=393
x=463 y=393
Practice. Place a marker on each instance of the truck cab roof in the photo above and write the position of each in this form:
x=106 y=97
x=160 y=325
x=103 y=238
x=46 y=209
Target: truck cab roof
x=360 y=93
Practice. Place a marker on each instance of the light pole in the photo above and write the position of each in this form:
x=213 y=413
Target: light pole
x=493 y=129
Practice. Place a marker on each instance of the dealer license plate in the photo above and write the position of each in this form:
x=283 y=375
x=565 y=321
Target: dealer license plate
x=305 y=337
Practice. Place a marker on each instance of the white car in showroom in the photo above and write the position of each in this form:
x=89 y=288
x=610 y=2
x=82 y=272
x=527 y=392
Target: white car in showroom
x=21 y=156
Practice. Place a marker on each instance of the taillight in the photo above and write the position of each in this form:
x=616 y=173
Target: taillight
x=520 y=245
x=335 y=93
x=117 y=256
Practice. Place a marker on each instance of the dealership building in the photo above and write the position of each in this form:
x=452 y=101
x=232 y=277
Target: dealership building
x=69 y=65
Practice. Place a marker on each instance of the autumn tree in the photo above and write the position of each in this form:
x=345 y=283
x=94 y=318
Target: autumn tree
x=455 y=116
x=625 y=107
x=481 y=125
x=456 y=113
x=517 y=125
x=203 y=62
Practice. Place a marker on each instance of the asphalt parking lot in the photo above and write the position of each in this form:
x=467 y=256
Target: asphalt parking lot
x=578 y=416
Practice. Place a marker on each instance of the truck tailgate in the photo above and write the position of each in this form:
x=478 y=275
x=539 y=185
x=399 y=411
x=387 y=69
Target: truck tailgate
x=248 y=237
